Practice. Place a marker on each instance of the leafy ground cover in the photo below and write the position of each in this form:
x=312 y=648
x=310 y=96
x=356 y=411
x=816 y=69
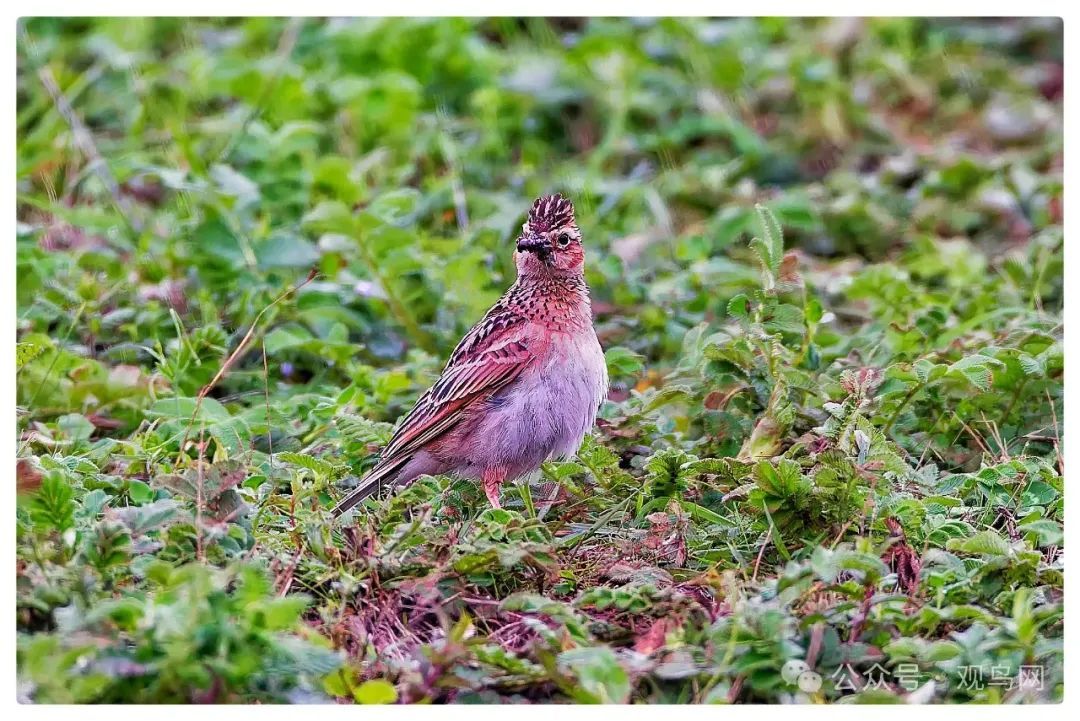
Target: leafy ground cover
x=826 y=261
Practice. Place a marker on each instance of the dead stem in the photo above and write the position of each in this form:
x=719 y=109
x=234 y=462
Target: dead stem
x=239 y=350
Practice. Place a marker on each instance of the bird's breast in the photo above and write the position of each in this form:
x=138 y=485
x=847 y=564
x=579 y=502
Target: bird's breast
x=546 y=412
x=562 y=394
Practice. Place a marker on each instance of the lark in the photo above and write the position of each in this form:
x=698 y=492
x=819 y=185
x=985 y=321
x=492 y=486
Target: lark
x=523 y=386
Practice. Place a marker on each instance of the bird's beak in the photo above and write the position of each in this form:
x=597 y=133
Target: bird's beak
x=534 y=244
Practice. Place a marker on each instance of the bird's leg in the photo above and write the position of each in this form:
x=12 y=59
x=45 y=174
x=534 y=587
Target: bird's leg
x=492 y=479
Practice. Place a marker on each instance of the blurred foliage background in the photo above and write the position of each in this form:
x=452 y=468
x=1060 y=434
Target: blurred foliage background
x=186 y=417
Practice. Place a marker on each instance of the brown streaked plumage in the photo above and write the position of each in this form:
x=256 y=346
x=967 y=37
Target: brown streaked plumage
x=522 y=386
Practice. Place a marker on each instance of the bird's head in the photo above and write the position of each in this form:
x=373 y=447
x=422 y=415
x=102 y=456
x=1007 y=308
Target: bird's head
x=550 y=242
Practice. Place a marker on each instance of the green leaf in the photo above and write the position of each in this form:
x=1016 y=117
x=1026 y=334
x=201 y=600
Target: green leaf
x=337 y=683
x=1038 y=493
x=140 y=492
x=375 y=691
x=284 y=250
x=739 y=306
x=939 y=651
x=286 y=337
x=870 y=565
x=282 y=614
x=309 y=657
x=976 y=369
x=598 y=672
x=331 y=216
x=54 y=507
x=1031 y=365
x=75 y=427
x=211 y=411
x=985 y=543
x=1049 y=533
x=396 y=207
x=623 y=362
x=321 y=468
x=26 y=352
x=143 y=519
x=701 y=513
x=774 y=237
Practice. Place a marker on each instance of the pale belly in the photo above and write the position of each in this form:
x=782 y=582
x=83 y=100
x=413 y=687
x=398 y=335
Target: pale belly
x=544 y=414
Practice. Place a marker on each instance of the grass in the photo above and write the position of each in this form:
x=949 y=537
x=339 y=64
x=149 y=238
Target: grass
x=826 y=263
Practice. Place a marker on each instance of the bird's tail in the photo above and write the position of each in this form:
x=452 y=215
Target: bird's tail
x=371 y=485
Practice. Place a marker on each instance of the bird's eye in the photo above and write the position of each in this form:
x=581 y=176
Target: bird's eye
x=564 y=239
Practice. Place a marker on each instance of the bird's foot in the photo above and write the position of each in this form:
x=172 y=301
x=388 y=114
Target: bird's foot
x=492 y=484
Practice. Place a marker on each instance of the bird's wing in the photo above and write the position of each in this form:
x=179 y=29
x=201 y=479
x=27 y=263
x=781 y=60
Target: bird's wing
x=490 y=355
x=466 y=377
x=496 y=326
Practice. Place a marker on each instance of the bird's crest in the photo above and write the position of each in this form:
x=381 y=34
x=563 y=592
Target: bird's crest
x=550 y=212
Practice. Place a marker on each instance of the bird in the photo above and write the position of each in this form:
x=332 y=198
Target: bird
x=522 y=387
